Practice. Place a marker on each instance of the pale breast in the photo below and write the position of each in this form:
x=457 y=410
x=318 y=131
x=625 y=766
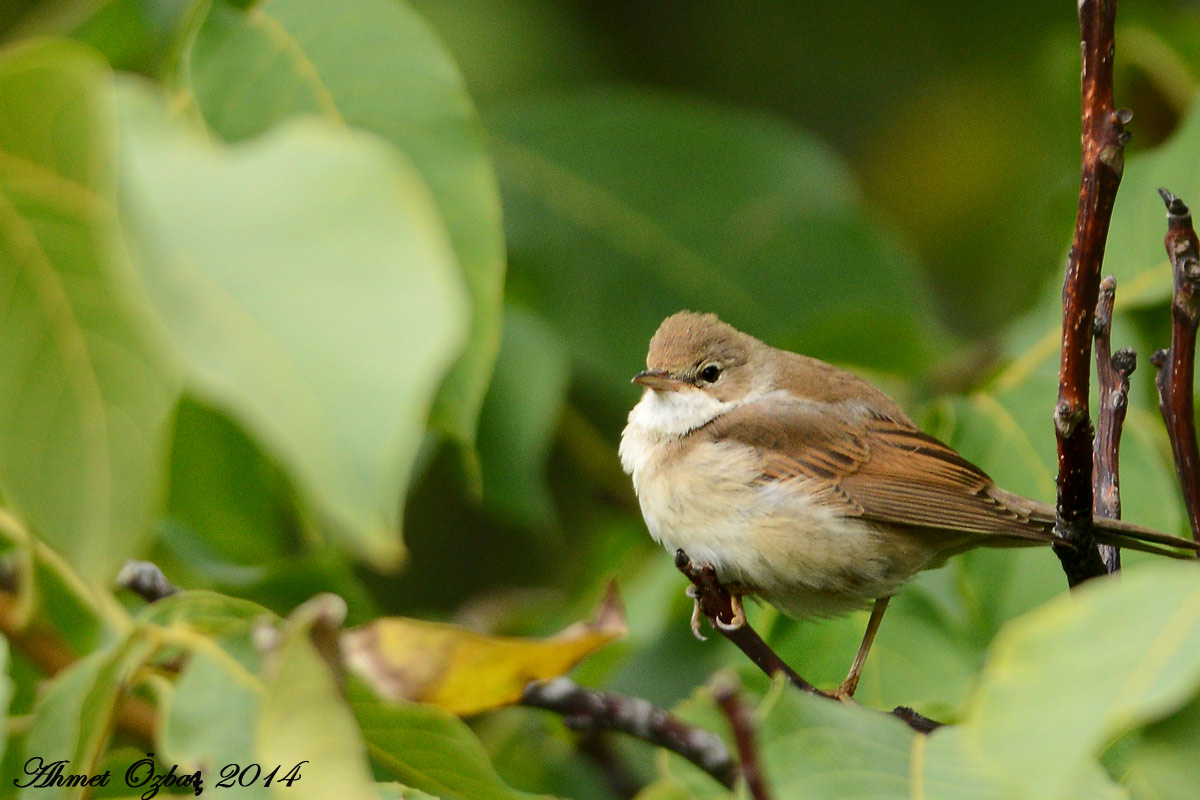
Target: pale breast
x=776 y=540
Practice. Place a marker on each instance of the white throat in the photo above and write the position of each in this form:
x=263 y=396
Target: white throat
x=661 y=416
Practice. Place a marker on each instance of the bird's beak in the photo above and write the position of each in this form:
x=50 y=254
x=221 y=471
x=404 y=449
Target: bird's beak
x=658 y=380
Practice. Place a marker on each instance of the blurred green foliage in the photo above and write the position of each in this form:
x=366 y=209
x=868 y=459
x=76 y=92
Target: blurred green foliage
x=304 y=297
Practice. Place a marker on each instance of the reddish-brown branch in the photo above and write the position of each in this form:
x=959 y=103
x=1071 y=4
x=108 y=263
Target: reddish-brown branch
x=1104 y=140
x=1177 y=364
x=725 y=692
x=717 y=605
x=1112 y=375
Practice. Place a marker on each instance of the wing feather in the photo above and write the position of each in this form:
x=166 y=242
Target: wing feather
x=876 y=467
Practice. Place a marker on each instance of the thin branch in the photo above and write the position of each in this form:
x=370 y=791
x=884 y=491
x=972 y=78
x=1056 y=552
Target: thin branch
x=716 y=603
x=725 y=692
x=1177 y=364
x=1104 y=140
x=591 y=710
x=1112 y=375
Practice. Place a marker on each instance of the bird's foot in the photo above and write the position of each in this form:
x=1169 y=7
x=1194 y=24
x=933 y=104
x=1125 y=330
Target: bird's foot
x=735 y=603
x=693 y=592
x=739 y=613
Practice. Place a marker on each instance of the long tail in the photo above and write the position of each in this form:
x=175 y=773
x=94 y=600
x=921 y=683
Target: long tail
x=1118 y=533
x=1114 y=532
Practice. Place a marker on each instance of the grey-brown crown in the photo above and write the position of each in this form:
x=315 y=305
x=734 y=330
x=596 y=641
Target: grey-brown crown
x=687 y=339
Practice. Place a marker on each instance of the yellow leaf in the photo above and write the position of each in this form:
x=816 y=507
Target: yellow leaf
x=466 y=672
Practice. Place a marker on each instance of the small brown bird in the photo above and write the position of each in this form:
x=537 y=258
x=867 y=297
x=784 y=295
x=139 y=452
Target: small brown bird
x=805 y=485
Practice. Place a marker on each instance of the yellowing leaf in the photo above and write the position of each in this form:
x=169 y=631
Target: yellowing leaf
x=467 y=672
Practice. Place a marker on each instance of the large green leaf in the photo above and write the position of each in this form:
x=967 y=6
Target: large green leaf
x=76 y=716
x=427 y=748
x=623 y=207
x=371 y=64
x=1160 y=763
x=520 y=416
x=304 y=717
x=208 y=722
x=209 y=712
x=307 y=281
x=130 y=34
x=226 y=492
x=84 y=393
x=1062 y=681
x=816 y=749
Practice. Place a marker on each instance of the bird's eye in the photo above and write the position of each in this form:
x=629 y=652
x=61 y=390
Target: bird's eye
x=710 y=373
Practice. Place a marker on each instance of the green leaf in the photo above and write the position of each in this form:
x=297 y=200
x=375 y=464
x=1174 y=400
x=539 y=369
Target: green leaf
x=427 y=748
x=130 y=34
x=305 y=718
x=307 y=281
x=1066 y=678
x=1134 y=252
x=209 y=712
x=75 y=717
x=520 y=416
x=623 y=207
x=665 y=789
x=511 y=48
x=211 y=620
x=375 y=65
x=1161 y=762
x=6 y=692
x=208 y=722
x=84 y=393
x=921 y=657
x=226 y=491
x=812 y=748
x=394 y=791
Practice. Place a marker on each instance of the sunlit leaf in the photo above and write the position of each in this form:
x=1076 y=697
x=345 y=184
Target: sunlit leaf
x=307 y=281
x=375 y=65
x=304 y=717
x=1066 y=678
x=84 y=392
x=208 y=721
x=466 y=672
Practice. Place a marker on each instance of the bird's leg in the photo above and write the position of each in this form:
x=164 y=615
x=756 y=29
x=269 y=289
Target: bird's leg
x=846 y=690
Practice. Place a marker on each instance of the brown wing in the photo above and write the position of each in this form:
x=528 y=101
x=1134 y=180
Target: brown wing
x=876 y=467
